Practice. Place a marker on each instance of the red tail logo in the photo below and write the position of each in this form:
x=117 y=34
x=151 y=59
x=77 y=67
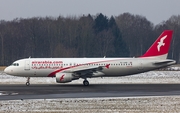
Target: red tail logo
x=161 y=45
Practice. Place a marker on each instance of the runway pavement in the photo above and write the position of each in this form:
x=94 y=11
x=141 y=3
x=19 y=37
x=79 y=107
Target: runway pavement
x=49 y=91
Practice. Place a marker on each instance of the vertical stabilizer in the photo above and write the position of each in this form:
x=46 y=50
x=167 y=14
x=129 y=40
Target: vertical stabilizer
x=160 y=48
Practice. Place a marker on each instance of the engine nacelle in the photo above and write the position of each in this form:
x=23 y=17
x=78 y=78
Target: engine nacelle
x=64 y=77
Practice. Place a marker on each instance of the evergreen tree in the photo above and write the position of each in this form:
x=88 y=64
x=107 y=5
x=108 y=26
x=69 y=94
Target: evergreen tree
x=119 y=45
x=100 y=23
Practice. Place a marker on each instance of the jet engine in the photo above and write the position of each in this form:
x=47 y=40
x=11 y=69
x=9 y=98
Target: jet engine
x=64 y=77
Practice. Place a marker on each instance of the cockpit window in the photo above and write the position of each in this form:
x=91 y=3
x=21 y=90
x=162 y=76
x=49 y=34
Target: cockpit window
x=15 y=64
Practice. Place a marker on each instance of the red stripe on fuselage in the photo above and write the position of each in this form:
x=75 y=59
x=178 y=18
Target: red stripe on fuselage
x=62 y=69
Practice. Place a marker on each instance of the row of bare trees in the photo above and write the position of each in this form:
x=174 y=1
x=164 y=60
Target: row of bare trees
x=139 y=33
x=83 y=36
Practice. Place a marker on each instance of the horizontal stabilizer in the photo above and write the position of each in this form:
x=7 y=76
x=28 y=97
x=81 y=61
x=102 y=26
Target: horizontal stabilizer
x=165 y=62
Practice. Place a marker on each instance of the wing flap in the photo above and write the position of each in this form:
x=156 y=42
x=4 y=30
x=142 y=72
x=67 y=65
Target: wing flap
x=87 y=71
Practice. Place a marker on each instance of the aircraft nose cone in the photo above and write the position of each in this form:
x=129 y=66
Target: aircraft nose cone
x=6 y=70
x=9 y=71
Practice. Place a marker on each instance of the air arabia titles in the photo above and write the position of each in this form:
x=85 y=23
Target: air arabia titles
x=47 y=64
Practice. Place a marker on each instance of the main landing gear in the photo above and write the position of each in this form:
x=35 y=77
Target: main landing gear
x=28 y=81
x=86 y=82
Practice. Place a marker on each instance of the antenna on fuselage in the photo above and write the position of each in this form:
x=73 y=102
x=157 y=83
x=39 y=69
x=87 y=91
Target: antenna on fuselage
x=29 y=57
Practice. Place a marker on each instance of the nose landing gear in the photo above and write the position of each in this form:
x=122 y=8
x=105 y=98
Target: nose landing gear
x=28 y=81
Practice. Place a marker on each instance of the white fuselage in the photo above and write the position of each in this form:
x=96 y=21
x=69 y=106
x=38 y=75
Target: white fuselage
x=48 y=67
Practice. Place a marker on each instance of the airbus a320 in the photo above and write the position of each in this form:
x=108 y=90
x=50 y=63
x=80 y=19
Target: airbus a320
x=69 y=69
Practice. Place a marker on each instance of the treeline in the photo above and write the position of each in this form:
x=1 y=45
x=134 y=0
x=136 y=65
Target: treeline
x=126 y=35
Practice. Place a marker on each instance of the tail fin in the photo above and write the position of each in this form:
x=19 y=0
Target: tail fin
x=160 y=48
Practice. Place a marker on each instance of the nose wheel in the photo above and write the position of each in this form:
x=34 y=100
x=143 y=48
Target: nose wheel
x=86 y=82
x=28 y=81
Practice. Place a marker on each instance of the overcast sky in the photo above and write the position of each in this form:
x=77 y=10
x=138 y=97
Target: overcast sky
x=155 y=11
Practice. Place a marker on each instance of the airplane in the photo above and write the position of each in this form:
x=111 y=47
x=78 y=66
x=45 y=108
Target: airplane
x=68 y=69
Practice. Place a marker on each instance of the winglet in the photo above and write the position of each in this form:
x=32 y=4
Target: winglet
x=160 y=47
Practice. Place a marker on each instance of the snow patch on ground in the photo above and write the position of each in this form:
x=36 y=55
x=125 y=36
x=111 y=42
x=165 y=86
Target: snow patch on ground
x=148 y=77
x=107 y=105
x=2 y=93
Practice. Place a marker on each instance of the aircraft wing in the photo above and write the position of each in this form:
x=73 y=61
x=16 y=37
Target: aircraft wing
x=87 y=71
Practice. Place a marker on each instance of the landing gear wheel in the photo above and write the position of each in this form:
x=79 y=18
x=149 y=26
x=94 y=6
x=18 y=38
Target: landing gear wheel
x=27 y=83
x=86 y=83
